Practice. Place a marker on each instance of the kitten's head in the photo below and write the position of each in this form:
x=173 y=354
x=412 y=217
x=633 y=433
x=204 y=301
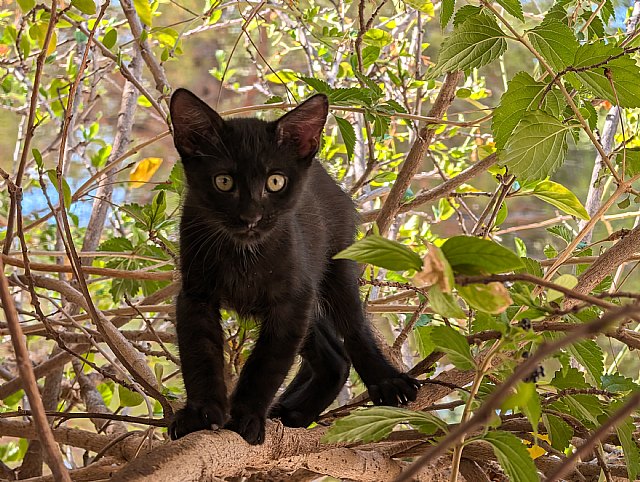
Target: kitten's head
x=246 y=174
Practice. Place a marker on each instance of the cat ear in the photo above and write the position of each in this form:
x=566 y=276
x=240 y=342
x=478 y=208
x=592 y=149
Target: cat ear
x=194 y=122
x=303 y=125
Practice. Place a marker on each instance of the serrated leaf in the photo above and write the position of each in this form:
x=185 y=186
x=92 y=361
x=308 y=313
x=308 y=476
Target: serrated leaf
x=512 y=456
x=348 y=135
x=556 y=42
x=119 y=245
x=318 y=85
x=445 y=304
x=631 y=159
x=129 y=398
x=383 y=252
x=143 y=9
x=560 y=431
x=143 y=171
x=491 y=298
x=571 y=378
x=464 y=13
x=595 y=30
x=619 y=384
x=531 y=266
x=590 y=356
x=450 y=341
x=486 y=322
x=512 y=7
x=477 y=42
x=537 y=147
x=561 y=232
x=623 y=70
x=523 y=94
x=560 y=197
x=586 y=408
x=370 y=54
x=424 y=343
x=446 y=11
x=376 y=423
x=629 y=446
x=87 y=7
x=468 y=253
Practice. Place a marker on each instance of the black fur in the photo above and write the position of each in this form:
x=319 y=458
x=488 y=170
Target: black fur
x=268 y=256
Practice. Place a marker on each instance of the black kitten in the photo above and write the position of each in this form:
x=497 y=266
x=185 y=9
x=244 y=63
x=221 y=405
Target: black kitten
x=261 y=223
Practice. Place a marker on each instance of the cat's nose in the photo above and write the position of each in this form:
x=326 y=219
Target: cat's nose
x=251 y=220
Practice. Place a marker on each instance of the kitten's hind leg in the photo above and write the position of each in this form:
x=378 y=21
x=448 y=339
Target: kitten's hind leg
x=322 y=374
x=386 y=384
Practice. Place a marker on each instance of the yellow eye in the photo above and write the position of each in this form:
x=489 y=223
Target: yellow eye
x=224 y=182
x=276 y=182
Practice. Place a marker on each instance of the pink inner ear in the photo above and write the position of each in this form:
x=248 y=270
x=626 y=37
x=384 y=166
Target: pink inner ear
x=303 y=125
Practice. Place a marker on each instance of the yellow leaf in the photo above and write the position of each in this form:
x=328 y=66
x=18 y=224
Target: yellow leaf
x=536 y=451
x=144 y=170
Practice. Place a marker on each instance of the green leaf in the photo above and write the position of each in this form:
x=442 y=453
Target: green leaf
x=66 y=190
x=560 y=431
x=590 y=356
x=446 y=11
x=118 y=245
x=523 y=94
x=465 y=12
x=477 y=42
x=348 y=135
x=571 y=378
x=531 y=266
x=318 y=85
x=556 y=42
x=26 y=5
x=619 y=384
x=560 y=197
x=567 y=281
x=450 y=341
x=370 y=54
x=129 y=398
x=623 y=70
x=283 y=76
x=512 y=7
x=87 y=7
x=468 y=253
x=38 y=158
x=424 y=343
x=377 y=37
x=631 y=159
x=445 y=304
x=587 y=408
x=143 y=8
x=629 y=446
x=526 y=399
x=491 y=298
x=110 y=38
x=376 y=423
x=512 y=456
x=486 y=322
x=537 y=147
x=382 y=252
x=561 y=232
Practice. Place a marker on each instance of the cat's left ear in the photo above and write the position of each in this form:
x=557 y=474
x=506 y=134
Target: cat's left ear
x=303 y=126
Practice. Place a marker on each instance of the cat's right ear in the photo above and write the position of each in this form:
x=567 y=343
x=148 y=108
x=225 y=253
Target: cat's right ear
x=194 y=123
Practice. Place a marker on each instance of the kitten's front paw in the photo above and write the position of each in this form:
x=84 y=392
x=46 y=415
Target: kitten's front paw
x=196 y=416
x=393 y=390
x=249 y=425
x=288 y=417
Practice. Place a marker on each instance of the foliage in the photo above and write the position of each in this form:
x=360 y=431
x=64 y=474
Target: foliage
x=490 y=238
